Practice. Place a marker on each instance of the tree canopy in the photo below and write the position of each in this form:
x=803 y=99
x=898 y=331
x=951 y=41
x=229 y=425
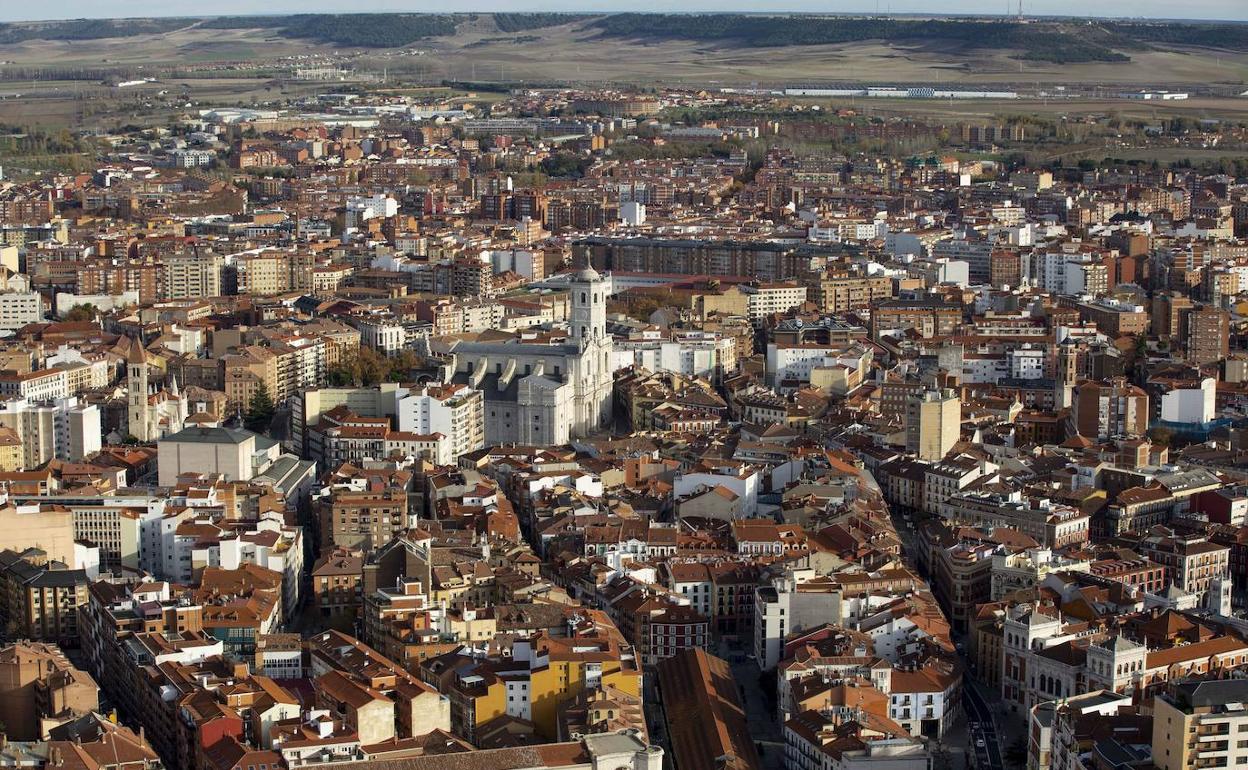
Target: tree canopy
x=1054 y=41
x=366 y=30
x=260 y=411
x=369 y=367
x=81 y=312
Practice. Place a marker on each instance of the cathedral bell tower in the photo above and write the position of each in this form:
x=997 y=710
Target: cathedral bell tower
x=590 y=367
x=589 y=308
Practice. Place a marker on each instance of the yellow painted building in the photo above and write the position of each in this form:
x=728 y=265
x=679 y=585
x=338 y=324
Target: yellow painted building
x=1198 y=723
x=569 y=665
x=12 y=451
x=536 y=680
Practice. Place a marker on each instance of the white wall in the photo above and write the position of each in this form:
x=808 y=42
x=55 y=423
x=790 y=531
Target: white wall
x=746 y=488
x=1190 y=405
x=103 y=302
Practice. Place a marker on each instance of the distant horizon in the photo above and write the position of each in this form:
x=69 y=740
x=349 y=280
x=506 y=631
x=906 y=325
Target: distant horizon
x=1227 y=11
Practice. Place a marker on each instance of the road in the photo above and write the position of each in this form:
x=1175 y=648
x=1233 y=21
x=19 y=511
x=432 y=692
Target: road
x=988 y=756
x=978 y=711
x=767 y=733
x=760 y=711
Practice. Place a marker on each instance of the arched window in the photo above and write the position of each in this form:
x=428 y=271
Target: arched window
x=583 y=298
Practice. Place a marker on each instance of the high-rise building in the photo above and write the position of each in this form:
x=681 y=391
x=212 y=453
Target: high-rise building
x=764 y=299
x=1197 y=723
x=42 y=595
x=366 y=520
x=971 y=248
x=456 y=411
x=839 y=294
x=1110 y=408
x=262 y=273
x=41 y=686
x=192 y=276
x=19 y=308
x=1208 y=335
x=61 y=428
x=933 y=420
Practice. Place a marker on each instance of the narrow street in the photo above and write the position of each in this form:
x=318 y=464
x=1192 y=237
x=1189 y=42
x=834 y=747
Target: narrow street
x=760 y=709
x=981 y=725
x=976 y=742
x=984 y=729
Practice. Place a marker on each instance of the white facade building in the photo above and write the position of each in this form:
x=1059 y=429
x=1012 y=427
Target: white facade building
x=546 y=392
x=745 y=482
x=456 y=411
x=18 y=309
x=269 y=543
x=385 y=336
x=523 y=262
x=1026 y=362
x=364 y=208
x=41 y=385
x=692 y=354
x=633 y=213
x=794 y=363
x=1190 y=405
x=62 y=428
x=765 y=299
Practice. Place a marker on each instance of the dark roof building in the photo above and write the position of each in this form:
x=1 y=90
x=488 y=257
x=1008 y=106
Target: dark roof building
x=706 y=722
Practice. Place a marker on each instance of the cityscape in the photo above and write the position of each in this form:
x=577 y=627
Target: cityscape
x=623 y=391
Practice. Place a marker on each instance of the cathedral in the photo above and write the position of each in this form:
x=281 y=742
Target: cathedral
x=546 y=392
x=151 y=414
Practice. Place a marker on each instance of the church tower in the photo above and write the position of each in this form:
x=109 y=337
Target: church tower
x=589 y=308
x=1067 y=374
x=136 y=392
x=590 y=366
x=1115 y=664
x=177 y=408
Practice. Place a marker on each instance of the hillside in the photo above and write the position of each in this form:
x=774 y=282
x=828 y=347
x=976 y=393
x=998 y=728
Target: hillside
x=653 y=48
x=1054 y=40
x=1057 y=41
